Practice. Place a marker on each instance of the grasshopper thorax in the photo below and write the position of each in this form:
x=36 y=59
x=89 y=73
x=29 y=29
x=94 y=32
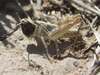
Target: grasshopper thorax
x=27 y=27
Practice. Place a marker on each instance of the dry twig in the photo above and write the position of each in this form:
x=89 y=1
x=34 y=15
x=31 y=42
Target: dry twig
x=97 y=52
x=86 y=7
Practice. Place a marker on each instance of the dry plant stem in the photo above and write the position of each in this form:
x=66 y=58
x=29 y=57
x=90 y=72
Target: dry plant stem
x=22 y=9
x=96 y=57
x=93 y=5
x=94 y=63
x=56 y=2
x=80 y=8
x=39 y=4
x=94 y=70
x=84 y=27
x=86 y=7
x=35 y=13
x=93 y=40
x=94 y=20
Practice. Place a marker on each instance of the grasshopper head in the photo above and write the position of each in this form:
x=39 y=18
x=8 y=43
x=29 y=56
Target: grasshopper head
x=27 y=27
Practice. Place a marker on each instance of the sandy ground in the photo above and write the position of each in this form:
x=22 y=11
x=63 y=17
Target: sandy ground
x=15 y=51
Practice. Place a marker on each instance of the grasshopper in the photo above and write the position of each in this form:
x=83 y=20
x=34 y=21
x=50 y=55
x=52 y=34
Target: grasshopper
x=50 y=31
x=46 y=30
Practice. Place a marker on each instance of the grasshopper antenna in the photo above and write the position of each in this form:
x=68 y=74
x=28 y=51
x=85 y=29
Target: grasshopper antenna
x=19 y=17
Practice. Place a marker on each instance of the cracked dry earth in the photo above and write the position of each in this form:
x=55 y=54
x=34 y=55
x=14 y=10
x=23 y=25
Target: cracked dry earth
x=15 y=50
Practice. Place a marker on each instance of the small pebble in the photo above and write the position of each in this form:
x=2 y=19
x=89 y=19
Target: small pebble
x=48 y=13
x=42 y=72
x=53 y=12
x=87 y=59
x=15 y=41
x=76 y=63
x=20 y=38
x=80 y=66
x=80 y=69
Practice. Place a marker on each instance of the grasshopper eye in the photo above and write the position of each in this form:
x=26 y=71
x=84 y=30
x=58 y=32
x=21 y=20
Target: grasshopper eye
x=27 y=28
x=24 y=21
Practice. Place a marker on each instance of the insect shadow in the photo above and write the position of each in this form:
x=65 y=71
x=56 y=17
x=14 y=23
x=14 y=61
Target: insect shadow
x=40 y=49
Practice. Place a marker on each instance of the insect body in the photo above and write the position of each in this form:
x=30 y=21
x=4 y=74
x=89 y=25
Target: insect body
x=51 y=31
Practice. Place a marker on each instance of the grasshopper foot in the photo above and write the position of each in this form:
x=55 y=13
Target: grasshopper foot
x=58 y=53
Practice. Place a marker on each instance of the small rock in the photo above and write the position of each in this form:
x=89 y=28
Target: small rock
x=9 y=46
x=20 y=38
x=53 y=12
x=42 y=72
x=48 y=13
x=80 y=69
x=15 y=41
x=76 y=63
x=81 y=66
x=87 y=59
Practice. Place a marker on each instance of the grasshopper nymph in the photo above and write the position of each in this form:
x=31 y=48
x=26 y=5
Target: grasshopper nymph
x=51 y=31
x=46 y=30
